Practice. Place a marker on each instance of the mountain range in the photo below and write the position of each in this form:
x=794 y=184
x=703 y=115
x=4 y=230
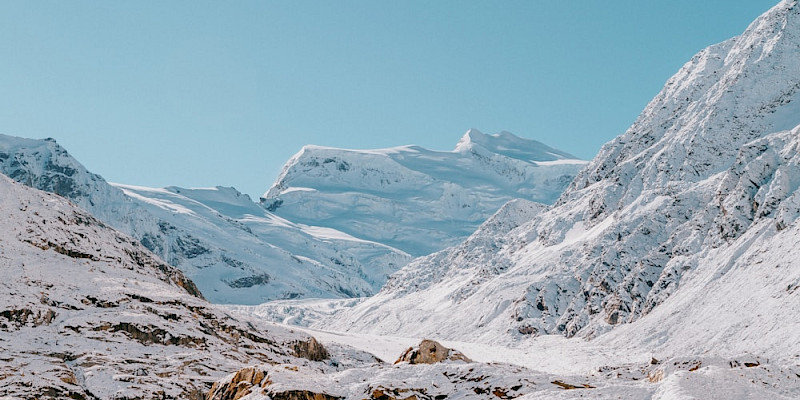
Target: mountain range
x=348 y=218
x=666 y=268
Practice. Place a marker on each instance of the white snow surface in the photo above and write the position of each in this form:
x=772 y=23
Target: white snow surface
x=247 y=255
x=414 y=199
x=679 y=238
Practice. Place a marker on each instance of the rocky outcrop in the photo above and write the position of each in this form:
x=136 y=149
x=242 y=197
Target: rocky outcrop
x=310 y=349
x=240 y=384
x=252 y=380
x=431 y=352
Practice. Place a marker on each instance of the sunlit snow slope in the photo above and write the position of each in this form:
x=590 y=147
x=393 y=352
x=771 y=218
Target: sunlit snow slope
x=413 y=199
x=683 y=230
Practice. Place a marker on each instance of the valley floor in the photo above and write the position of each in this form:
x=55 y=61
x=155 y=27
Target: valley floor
x=554 y=364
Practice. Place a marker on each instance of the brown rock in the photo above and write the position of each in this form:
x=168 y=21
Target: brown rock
x=311 y=349
x=567 y=386
x=239 y=386
x=302 y=395
x=430 y=352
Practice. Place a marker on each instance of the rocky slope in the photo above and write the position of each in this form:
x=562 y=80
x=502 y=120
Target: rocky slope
x=413 y=199
x=683 y=227
x=88 y=313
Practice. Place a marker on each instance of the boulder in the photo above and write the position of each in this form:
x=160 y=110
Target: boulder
x=430 y=352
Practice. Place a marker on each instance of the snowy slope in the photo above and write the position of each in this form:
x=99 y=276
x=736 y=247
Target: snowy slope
x=233 y=249
x=87 y=313
x=414 y=199
x=248 y=255
x=680 y=236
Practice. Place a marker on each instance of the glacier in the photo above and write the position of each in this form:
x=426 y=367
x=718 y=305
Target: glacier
x=413 y=199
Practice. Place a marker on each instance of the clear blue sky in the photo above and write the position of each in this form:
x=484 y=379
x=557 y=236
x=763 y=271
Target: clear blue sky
x=183 y=93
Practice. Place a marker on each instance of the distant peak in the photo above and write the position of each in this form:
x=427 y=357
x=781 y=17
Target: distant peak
x=510 y=145
x=473 y=136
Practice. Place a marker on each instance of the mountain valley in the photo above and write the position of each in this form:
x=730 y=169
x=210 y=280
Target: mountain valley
x=665 y=268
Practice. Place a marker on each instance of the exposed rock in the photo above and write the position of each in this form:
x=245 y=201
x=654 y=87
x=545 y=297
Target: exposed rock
x=567 y=386
x=248 y=380
x=430 y=352
x=382 y=393
x=147 y=334
x=311 y=349
x=302 y=395
x=23 y=317
x=240 y=385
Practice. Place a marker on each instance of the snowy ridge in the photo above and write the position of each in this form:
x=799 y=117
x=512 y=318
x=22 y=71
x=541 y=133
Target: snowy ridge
x=696 y=194
x=413 y=199
x=232 y=248
x=244 y=254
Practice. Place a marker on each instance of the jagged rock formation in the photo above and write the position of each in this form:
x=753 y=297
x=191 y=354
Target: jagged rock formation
x=697 y=193
x=431 y=352
x=311 y=349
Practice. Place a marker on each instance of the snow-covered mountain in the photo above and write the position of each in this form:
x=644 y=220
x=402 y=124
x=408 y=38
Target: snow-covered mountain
x=239 y=252
x=88 y=313
x=233 y=249
x=679 y=237
x=413 y=199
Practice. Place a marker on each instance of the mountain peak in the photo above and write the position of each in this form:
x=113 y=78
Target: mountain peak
x=507 y=144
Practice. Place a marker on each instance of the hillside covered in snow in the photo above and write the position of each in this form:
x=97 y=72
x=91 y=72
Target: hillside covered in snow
x=234 y=250
x=87 y=312
x=678 y=238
